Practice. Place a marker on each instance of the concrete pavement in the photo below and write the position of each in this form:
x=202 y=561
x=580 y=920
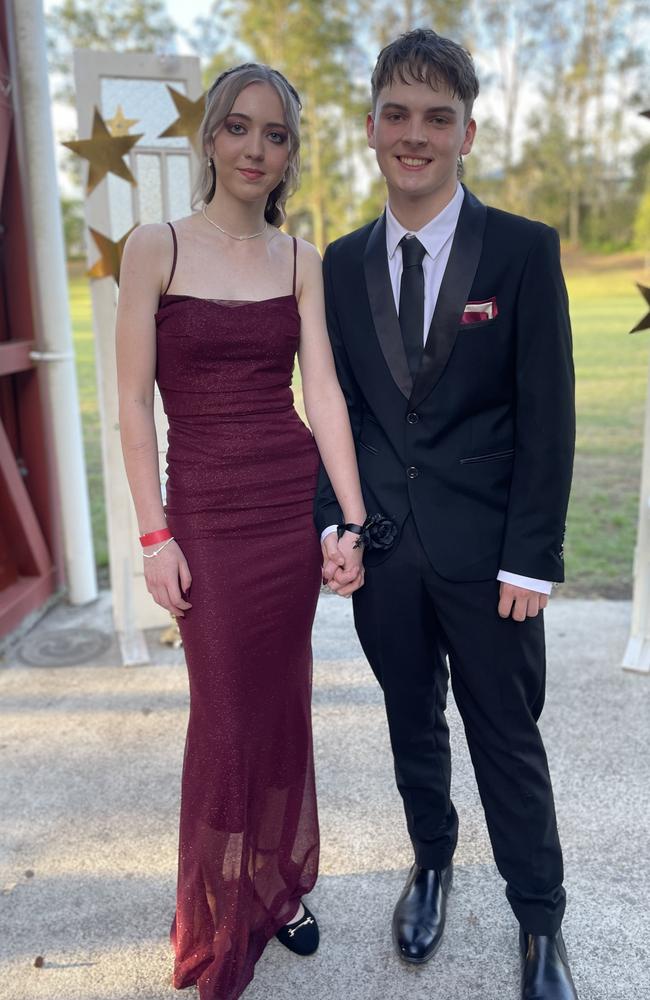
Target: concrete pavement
x=90 y=759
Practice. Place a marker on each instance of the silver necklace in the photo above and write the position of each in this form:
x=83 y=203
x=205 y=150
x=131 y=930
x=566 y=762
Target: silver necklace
x=231 y=235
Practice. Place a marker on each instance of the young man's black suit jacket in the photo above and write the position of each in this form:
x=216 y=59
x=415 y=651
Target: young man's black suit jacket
x=480 y=446
x=478 y=449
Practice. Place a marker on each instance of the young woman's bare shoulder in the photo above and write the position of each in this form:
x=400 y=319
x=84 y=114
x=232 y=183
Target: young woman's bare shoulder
x=187 y=223
x=281 y=247
x=308 y=252
x=309 y=265
x=149 y=236
x=154 y=236
x=310 y=269
x=147 y=258
x=309 y=260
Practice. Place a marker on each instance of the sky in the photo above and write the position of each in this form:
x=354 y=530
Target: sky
x=185 y=11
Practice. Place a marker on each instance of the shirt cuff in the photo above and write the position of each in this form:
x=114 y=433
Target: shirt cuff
x=529 y=582
x=328 y=531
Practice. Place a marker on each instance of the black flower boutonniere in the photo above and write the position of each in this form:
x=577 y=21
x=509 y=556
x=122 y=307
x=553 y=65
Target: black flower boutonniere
x=376 y=532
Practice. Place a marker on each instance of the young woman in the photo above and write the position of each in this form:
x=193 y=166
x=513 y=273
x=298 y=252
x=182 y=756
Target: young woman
x=214 y=308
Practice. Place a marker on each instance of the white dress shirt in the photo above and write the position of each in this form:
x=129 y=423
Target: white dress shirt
x=436 y=237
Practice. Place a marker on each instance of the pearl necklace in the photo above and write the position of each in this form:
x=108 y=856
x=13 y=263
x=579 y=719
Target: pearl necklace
x=231 y=235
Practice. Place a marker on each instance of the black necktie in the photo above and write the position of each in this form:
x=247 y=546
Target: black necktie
x=411 y=300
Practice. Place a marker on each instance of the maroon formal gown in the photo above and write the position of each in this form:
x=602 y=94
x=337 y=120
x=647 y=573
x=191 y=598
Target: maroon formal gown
x=242 y=473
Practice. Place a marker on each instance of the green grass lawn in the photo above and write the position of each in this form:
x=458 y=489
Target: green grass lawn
x=82 y=326
x=611 y=373
x=611 y=381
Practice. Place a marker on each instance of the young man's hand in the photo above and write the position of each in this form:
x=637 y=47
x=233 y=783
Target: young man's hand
x=342 y=564
x=519 y=603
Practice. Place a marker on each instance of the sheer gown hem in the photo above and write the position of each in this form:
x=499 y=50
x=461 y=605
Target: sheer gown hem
x=189 y=973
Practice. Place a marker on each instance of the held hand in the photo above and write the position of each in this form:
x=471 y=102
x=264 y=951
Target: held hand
x=519 y=602
x=350 y=576
x=333 y=559
x=166 y=575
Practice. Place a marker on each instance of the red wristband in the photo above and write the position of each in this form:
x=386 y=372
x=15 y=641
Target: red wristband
x=153 y=537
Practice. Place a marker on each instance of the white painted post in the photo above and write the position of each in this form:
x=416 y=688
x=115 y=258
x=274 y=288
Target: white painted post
x=56 y=353
x=637 y=653
x=136 y=81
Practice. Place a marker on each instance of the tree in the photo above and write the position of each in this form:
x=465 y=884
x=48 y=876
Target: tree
x=542 y=177
x=312 y=43
x=554 y=143
x=115 y=25
x=642 y=225
x=582 y=73
x=600 y=80
x=210 y=39
x=384 y=20
x=507 y=39
x=73 y=227
x=642 y=186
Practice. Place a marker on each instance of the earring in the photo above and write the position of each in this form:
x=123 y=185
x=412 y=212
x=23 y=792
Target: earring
x=209 y=163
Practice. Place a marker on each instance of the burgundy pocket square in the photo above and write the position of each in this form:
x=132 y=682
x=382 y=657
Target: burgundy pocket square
x=476 y=312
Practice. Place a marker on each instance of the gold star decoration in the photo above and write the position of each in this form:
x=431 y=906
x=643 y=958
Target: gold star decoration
x=110 y=259
x=119 y=124
x=104 y=152
x=171 y=636
x=190 y=116
x=643 y=324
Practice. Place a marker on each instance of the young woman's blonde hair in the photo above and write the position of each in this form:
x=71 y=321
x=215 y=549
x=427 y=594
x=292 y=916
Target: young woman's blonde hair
x=218 y=104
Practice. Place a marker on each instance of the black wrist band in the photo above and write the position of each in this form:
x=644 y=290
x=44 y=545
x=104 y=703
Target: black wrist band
x=355 y=529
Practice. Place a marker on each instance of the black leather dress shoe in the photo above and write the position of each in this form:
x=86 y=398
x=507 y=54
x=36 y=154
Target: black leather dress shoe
x=545 y=972
x=419 y=917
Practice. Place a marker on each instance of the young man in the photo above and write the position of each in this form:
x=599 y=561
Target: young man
x=450 y=330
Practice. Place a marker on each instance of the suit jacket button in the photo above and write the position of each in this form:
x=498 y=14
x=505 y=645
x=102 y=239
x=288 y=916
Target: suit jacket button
x=412 y=417
x=412 y=472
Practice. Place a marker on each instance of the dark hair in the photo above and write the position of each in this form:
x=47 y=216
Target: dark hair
x=425 y=57
x=218 y=102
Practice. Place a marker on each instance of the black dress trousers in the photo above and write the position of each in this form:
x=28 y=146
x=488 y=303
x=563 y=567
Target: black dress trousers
x=409 y=619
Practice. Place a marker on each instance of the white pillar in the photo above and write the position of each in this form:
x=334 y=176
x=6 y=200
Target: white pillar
x=637 y=653
x=56 y=350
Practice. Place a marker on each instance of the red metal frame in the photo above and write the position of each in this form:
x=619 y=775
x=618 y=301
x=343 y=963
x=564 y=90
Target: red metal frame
x=30 y=550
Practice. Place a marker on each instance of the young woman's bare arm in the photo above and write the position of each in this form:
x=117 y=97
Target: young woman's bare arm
x=147 y=258
x=327 y=411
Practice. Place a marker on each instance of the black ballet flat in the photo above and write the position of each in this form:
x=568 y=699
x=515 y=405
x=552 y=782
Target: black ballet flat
x=302 y=936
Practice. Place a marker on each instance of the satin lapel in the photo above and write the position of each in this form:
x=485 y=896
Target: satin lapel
x=454 y=292
x=382 y=305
